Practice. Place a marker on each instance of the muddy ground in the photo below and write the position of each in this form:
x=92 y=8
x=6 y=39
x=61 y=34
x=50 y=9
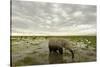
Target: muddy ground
x=36 y=52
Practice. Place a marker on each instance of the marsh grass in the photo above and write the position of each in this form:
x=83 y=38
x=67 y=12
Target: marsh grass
x=33 y=50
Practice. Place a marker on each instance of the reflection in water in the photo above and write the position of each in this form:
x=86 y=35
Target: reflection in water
x=55 y=58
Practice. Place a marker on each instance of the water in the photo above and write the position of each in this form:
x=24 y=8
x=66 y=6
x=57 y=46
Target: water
x=36 y=52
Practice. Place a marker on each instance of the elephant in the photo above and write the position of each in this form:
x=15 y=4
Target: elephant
x=56 y=45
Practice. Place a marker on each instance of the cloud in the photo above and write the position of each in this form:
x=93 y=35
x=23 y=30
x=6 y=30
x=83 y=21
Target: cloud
x=52 y=18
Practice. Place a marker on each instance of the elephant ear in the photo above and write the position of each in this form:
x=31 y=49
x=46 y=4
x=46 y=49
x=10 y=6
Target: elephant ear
x=67 y=44
x=64 y=43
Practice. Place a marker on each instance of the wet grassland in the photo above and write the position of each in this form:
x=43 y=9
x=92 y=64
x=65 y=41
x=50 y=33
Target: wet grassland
x=33 y=50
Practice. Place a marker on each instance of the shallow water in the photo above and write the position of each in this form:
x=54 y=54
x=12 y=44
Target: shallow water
x=29 y=52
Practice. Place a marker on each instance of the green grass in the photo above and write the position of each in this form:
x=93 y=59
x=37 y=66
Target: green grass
x=91 y=39
x=39 y=55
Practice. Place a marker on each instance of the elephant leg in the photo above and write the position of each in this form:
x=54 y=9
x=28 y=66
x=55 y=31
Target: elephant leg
x=50 y=50
x=61 y=50
x=55 y=51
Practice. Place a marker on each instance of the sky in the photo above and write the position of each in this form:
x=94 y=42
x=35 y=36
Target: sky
x=44 y=18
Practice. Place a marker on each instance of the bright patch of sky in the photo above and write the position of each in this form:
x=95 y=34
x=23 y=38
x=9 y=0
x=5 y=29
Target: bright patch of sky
x=44 y=18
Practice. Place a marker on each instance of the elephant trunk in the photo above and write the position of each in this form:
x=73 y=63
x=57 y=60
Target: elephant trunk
x=71 y=52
